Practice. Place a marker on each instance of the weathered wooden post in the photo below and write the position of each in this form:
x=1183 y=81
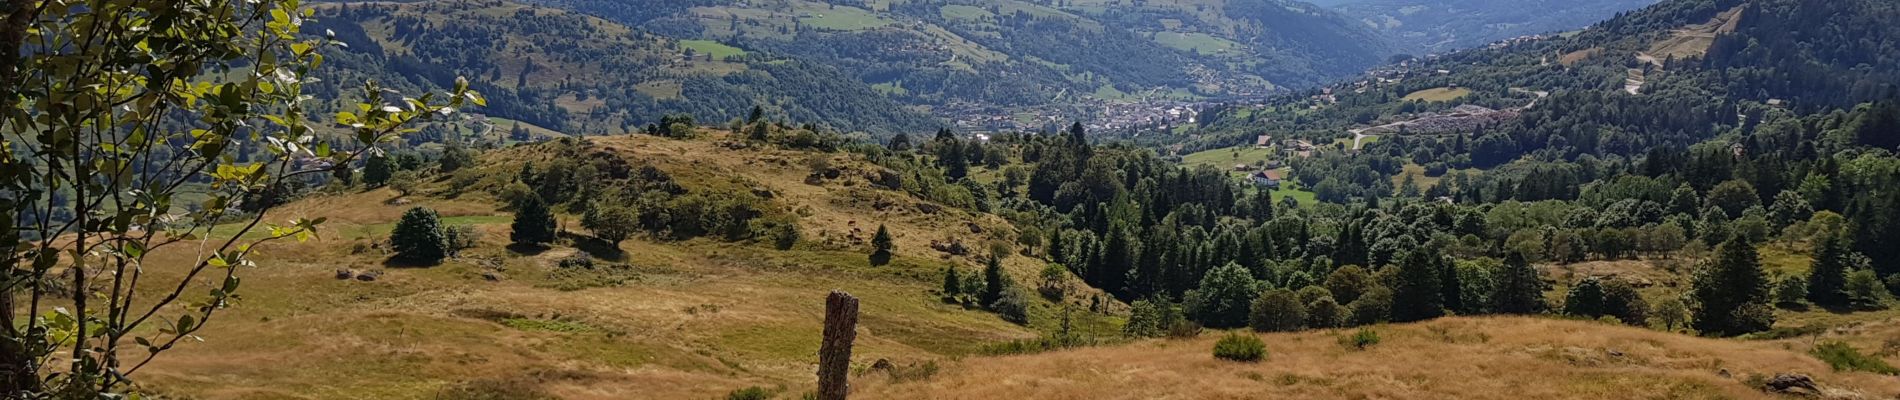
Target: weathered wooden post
x=834 y=356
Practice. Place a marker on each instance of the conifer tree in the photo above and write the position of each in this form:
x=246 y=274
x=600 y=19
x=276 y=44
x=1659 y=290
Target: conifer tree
x=1518 y=290
x=1418 y=295
x=952 y=285
x=881 y=246
x=994 y=282
x=534 y=222
x=1827 y=278
x=1728 y=288
x=418 y=237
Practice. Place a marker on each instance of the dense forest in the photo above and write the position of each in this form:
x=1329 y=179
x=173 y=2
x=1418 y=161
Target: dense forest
x=1014 y=53
x=1699 y=164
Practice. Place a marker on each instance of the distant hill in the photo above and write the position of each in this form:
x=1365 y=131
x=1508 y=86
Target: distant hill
x=578 y=74
x=1012 y=52
x=1436 y=26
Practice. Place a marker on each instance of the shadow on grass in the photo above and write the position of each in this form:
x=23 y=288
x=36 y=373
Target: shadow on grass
x=399 y=262
x=527 y=249
x=600 y=249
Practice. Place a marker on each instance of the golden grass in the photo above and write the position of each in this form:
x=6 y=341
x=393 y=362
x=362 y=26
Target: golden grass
x=1465 y=358
x=698 y=318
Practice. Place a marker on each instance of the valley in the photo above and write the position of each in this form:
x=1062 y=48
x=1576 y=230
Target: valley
x=950 y=199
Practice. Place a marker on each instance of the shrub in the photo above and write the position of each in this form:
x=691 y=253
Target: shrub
x=1864 y=288
x=1240 y=347
x=1013 y=306
x=1791 y=290
x=1372 y=308
x=460 y=237
x=1360 y=340
x=1324 y=313
x=751 y=393
x=1845 y=358
x=578 y=260
x=496 y=389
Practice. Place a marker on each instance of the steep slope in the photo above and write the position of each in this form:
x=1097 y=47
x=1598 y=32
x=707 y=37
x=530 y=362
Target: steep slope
x=1464 y=358
x=578 y=74
x=1437 y=26
x=1013 y=52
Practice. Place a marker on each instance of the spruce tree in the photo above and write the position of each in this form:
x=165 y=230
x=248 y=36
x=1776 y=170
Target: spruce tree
x=881 y=246
x=1451 y=287
x=952 y=285
x=1729 y=285
x=1518 y=290
x=1827 y=278
x=534 y=222
x=1419 y=295
x=418 y=237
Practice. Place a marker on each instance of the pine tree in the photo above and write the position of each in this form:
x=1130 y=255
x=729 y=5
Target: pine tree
x=759 y=132
x=534 y=222
x=1827 y=278
x=952 y=285
x=1518 y=290
x=1733 y=283
x=418 y=237
x=1418 y=295
x=758 y=113
x=1451 y=287
x=881 y=246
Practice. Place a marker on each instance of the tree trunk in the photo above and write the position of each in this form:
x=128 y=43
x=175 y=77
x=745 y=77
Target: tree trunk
x=834 y=357
x=17 y=373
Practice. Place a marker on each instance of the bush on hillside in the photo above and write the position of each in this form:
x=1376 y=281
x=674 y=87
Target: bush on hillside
x=1360 y=340
x=1844 y=357
x=750 y=393
x=1240 y=347
x=1013 y=306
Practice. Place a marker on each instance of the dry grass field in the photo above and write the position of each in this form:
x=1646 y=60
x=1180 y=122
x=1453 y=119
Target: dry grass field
x=1451 y=358
x=700 y=318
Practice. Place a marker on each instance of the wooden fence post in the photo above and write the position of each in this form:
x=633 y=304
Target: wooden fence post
x=834 y=357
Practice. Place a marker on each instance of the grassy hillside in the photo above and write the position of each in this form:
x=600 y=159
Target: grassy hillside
x=1468 y=358
x=654 y=318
